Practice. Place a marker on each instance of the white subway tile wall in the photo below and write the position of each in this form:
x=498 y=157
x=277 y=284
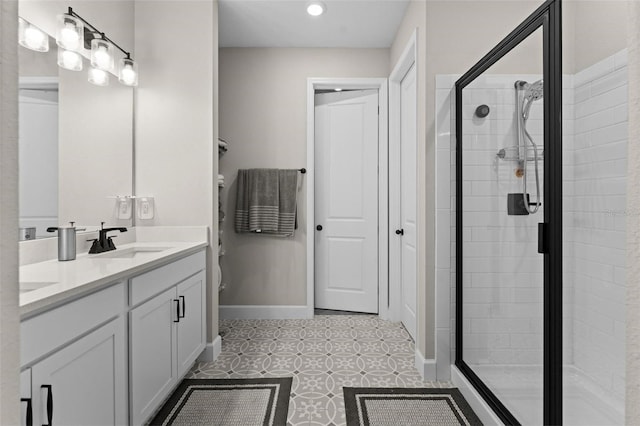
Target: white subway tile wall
x=445 y=226
x=503 y=298
x=597 y=217
x=503 y=272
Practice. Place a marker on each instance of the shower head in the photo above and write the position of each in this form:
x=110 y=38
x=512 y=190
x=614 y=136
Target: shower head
x=534 y=91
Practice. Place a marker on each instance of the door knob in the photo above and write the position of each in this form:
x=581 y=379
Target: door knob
x=399 y=231
x=319 y=227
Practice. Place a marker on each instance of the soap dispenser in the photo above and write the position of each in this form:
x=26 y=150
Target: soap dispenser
x=66 y=241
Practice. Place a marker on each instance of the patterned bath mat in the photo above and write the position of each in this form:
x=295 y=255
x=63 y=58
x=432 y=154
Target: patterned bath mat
x=227 y=402
x=402 y=406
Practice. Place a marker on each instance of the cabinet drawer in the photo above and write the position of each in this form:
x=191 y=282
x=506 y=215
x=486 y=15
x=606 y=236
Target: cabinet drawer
x=155 y=282
x=52 y=329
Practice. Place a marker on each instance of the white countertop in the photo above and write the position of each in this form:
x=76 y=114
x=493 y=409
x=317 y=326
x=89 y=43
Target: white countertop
x=88 y=272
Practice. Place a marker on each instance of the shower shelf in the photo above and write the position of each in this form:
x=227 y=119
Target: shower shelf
x=511 y=154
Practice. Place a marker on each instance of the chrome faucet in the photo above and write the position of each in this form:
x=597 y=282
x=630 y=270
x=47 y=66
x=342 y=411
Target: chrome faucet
x=104 y=242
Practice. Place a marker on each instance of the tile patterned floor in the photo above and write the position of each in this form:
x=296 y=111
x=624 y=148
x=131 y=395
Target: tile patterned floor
x=322 y=354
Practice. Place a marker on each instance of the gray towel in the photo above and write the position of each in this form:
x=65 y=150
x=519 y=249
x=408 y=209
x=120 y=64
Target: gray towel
x=266 y=201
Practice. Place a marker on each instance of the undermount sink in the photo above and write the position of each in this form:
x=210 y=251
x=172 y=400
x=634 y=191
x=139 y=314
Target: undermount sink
x=130 y=253
x=26 y=286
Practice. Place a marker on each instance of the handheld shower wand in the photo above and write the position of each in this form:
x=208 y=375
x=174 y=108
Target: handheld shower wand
x=526 y=94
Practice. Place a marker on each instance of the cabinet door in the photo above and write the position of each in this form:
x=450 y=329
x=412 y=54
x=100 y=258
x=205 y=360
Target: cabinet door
x=26 y=403
x=192 y=330
x=83 y=383
x=153 y=353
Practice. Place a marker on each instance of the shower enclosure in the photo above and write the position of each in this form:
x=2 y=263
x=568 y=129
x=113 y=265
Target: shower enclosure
x=540 y=213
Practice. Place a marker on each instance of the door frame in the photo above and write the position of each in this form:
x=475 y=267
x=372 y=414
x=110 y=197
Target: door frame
x=381 y=85
x=408 y=58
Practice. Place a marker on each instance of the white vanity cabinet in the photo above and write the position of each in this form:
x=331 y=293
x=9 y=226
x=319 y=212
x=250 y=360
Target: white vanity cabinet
x=167 y=331
x=76 y=365
x=112 y=355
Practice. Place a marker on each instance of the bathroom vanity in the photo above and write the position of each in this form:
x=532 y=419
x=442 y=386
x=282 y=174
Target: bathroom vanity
x=106 y=338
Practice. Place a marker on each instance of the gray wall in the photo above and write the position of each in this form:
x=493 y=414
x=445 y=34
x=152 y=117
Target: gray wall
x=38 y=64
x=175 y=140
x=263 y=103
x=600 y=30
x=633 y=225
x=9 y=317
x=95 y=147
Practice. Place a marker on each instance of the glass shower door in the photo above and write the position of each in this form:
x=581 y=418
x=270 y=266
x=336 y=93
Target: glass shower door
x=505 y=187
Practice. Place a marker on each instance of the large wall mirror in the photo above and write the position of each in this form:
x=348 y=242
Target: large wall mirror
x=76 y=138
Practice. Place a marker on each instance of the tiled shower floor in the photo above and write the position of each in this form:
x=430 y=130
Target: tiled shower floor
x=322 y=355
x=520 y=389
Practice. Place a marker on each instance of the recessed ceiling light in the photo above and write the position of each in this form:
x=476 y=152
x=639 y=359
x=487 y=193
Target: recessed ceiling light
x=337 y=89
x=316 y=8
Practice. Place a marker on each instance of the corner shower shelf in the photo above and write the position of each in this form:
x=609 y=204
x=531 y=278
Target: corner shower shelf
x=512 y=154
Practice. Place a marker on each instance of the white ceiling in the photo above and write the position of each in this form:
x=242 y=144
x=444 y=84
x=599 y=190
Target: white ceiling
x=285 y=23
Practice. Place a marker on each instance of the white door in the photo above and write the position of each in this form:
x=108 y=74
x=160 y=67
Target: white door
x=408 y=192
x=346 y=201
x=83 y=383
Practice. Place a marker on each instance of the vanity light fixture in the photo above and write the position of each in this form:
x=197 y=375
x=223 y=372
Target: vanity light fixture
x=32 y=37
x=102 y=50
x=98 y=77
x=316 y=8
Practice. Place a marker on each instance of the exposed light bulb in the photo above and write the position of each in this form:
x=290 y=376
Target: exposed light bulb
x=316 y=8
x=69 y=60
x=98 y=77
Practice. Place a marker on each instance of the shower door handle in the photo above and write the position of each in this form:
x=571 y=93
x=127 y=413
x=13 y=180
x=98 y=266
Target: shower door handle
x=543 y=232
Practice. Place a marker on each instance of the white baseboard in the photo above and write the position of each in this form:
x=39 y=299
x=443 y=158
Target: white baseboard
x=482 y=410
x=211 y=351
x=426 y=367
x=264 y=312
